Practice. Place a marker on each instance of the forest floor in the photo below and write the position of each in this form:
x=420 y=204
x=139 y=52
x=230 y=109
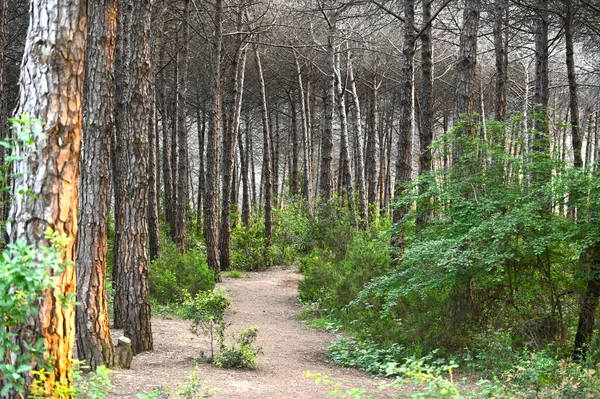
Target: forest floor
x=267 y=300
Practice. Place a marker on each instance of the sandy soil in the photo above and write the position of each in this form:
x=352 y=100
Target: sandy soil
x=267 y=300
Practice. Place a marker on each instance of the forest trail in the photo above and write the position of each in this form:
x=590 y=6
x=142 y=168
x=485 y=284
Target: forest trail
x=267 y=300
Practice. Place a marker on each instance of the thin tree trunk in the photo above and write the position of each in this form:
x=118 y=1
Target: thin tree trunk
x=238 y=69
x=167 y=169
x=427 y=117
x=266 y=154
x=200 y=116
x=153 y=184
x=371 y=146
x=182 y=135
x=358 y=134
x=244 y=159
x=573 y=96
x=295 y=150
x=501 y=59
x=325 y=188
x=94 y=343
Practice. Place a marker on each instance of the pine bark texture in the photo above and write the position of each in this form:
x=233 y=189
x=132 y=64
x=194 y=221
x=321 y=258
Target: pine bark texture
x=94 y=343
x=403 y=161
x=51 y=90
x=501 y=58
x=133 y=72
x=211 y=190
x=465 y=74
x=182 y=158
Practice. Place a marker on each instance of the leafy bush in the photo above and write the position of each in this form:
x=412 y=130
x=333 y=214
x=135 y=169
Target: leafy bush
x=364 y=354
x=23 y=280
x=174 y=274
x=206 y=310
x=242 y=353
x=248 y=249
x=91 y=385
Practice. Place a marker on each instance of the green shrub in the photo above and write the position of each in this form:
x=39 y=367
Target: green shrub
x=174 y=274
x=242 y=353
x=206 y=310
x=248 y=249
x=364 y=354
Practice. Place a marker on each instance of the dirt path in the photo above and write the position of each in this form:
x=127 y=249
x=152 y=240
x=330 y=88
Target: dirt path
x=267 y=300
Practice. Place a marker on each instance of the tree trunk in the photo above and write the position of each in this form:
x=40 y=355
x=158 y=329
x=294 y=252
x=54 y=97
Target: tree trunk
x=465 y=76
x=268 y=187
x=236 y=91
x=166 y=143
x=403 y=162
x=427 y=116
x=94 y=343
x=573 y=96
x=325 y=189
x=200 y=116
x=244 y=160
x=133 y=76
x=501 y=59
x=371 y=146
x=295 y=147
x=153 y=183
x=347 y=190
x=51 y=90
x=358 y=134
x=182 y=166
x=211 y=192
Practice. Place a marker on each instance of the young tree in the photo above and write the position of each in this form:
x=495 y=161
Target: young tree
x=133 y=73
x=94 y=343
x=51 y=90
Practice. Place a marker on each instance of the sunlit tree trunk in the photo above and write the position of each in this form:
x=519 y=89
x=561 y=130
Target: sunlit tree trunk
x=51 y=90
x=133 y=73
x=94 y=343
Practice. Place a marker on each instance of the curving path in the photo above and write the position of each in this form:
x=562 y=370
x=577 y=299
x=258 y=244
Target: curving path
x=267 y=300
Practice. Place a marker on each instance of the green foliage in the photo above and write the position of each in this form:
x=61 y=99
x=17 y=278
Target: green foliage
x=174 y=274
x=365 y=354
x=24 y=276
x=193 y=388
x=234 y=274
x=91 y=385
x=242 y=353
x=337 y=390
x=206 y=310
x=248 y=249
x=437 y=379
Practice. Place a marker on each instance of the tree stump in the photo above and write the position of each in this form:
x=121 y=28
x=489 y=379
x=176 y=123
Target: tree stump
x=124 y=354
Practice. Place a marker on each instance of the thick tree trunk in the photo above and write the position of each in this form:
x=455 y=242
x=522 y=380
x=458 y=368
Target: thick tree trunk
x=182 y=166
x=403 y=160
x=133 y=74
x=4 y=132
x=94 y=343
x=465 y=76
x=211 y=191
x=268 y=187
x=51 y=90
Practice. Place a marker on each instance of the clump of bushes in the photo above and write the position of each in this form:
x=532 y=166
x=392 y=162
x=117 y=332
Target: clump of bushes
x=174 y=274
x=207 y=310
x=248 y=249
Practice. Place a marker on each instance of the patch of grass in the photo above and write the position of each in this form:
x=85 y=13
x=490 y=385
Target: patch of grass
x=234 y=274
